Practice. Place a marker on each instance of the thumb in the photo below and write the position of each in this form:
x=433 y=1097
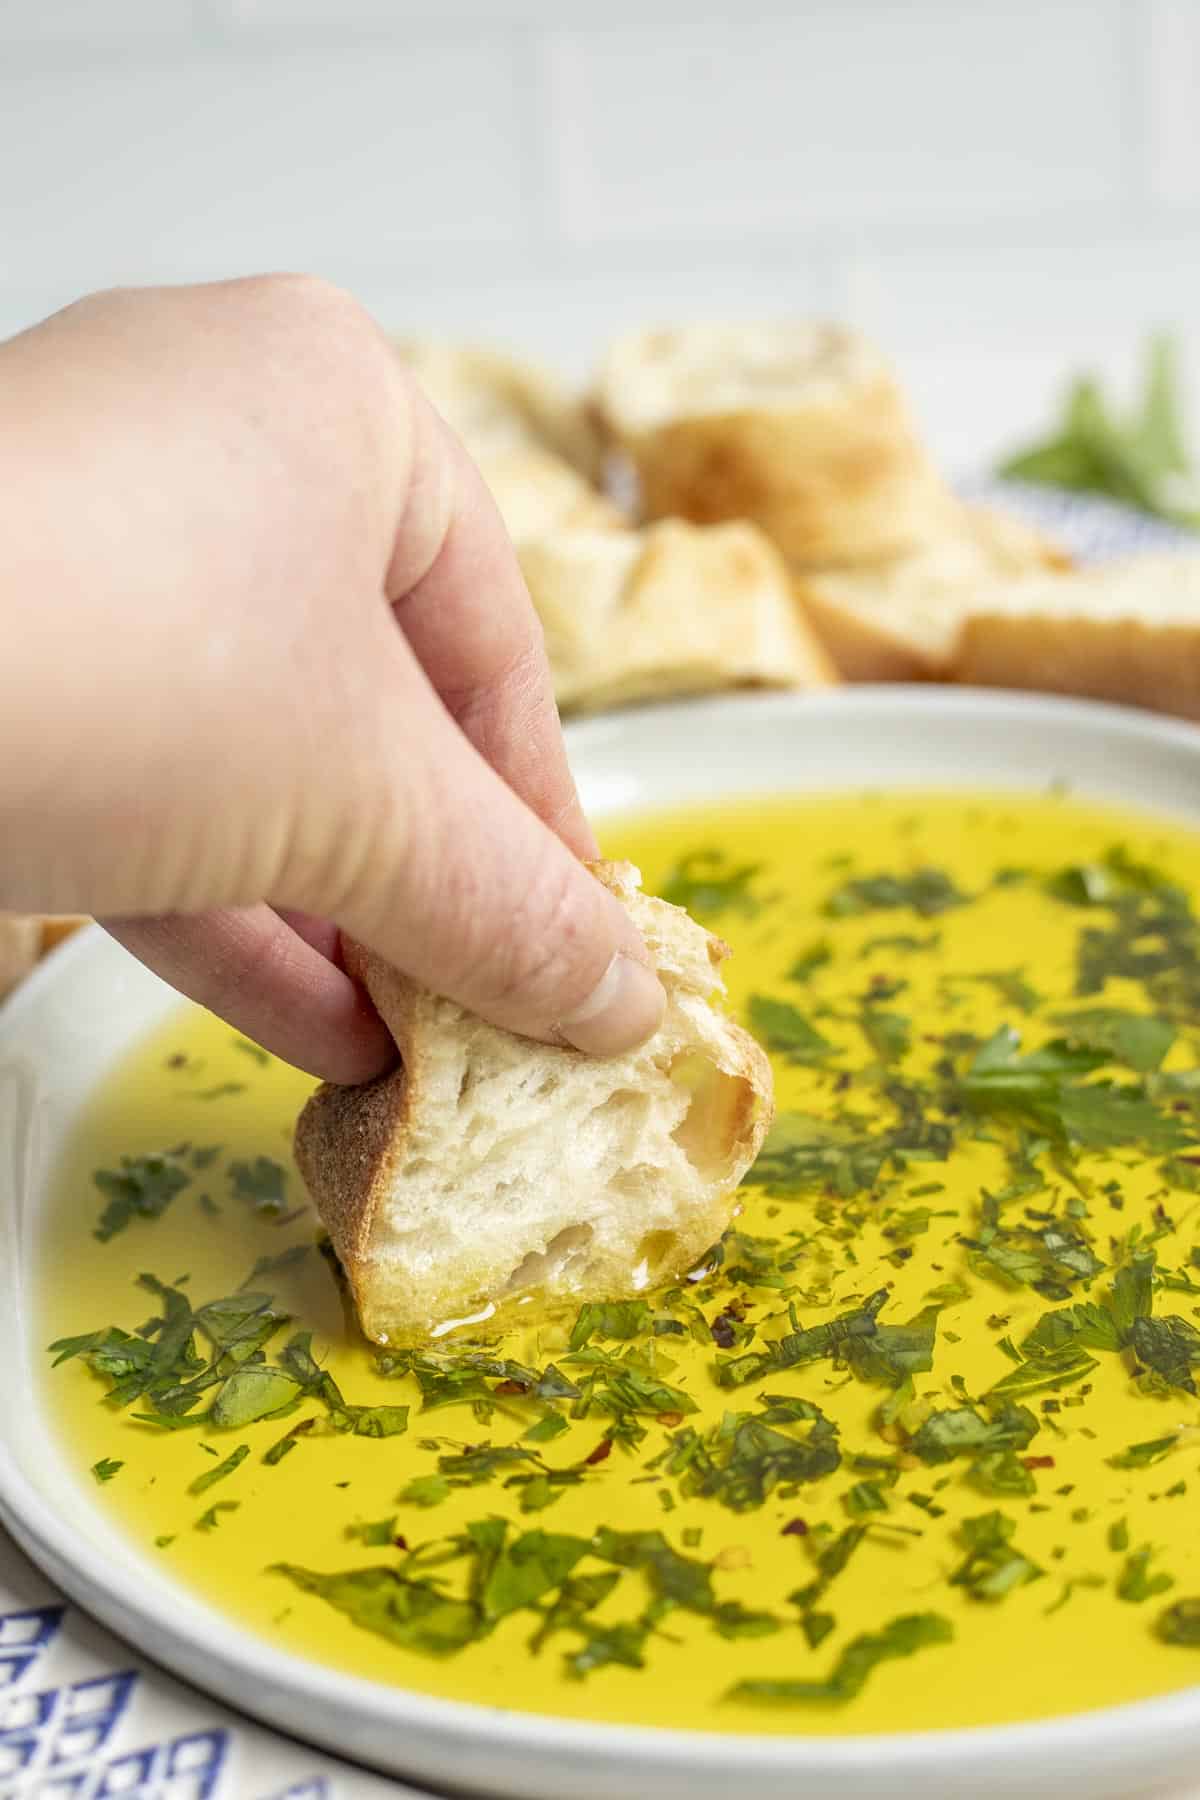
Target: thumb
x=467 y=891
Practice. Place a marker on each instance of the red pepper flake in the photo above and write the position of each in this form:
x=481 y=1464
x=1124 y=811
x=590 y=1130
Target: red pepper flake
x=1038 y=1462
x=795 y=1528
x=400 y=1541
x=670 y=1418
x=511 y=1387
x=603 y=1449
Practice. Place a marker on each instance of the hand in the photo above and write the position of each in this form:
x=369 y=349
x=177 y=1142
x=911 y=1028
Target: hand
x=270 y=670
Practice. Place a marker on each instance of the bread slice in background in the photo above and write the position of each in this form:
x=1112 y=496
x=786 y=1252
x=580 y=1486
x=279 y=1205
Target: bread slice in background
x=539 y=493
x=801 y=428
x=26 y=937
x=489 y=1166
x=20 y=947
x=497 y=403
x=1127 y=632
x=670 y=609
x=902 y=620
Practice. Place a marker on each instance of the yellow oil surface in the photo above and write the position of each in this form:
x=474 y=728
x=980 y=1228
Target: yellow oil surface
x=1025 y=1656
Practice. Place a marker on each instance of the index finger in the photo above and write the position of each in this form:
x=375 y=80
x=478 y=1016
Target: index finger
x=458 y=594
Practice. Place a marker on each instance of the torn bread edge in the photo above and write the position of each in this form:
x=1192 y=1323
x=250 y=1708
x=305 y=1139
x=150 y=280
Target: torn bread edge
x=570 y=1235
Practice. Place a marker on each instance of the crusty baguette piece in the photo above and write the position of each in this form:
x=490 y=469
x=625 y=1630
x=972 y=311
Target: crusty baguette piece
x=902 y=620
x=800 y=427
x=497 y=403
x=488 y=1165
x=1128 y=632
x=539 y=493
x=670 y=609
x=25 y=938
x=20 y=947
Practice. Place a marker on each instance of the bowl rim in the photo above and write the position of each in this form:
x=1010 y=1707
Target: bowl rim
x=254 y=1676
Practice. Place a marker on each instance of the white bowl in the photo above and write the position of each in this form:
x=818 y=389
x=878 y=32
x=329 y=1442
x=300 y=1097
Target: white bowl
x=91 y=1001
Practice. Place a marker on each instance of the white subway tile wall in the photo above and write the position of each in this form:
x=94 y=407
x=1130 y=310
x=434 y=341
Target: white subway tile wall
x=1174 y=45
x=997 y=190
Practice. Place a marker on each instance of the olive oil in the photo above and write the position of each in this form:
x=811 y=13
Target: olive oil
x=983 y=1015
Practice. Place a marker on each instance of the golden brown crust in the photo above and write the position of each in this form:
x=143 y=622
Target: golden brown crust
x=901 y=621
x=20 y=945
x=345 y=1136
x=57 y=927
x=671 y=609
x=497 y=402
x=1128 y=661
x=865 y=647
x=538 y=493
x=26 y=937
x=827 y=488
x=799 y=427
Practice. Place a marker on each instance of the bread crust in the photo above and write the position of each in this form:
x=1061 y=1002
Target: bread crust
x=497 y=403
x=1128 y=632
x=539 y=494
x=352 y=1143
x=1128 y=661
x=902 y=620
x=671 y=609
x=20 y=947
x=826 y=461
x=26 y=937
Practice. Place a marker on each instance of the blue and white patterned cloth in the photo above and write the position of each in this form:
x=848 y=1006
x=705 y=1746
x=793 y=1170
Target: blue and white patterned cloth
x=1090 y=529
x=83 y=1718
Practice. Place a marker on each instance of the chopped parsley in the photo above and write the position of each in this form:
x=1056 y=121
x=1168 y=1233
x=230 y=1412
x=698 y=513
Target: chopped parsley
x=926 y=892
x=142 y=1188
x=902 y=1636
x=708 y=885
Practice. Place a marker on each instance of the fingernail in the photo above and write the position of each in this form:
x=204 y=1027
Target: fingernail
x=623 y=1009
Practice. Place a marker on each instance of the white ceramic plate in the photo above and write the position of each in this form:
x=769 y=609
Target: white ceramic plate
x=87 y=1005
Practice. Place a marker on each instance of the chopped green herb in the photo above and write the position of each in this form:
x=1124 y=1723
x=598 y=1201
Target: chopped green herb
x=1180 y=1624
x=260 y=1183
x=142 y=1188
x=1136 y=1583
x=993 y=1567
x=1141 y=1456
x=781 y=1028
x=707 y=885
x=374 y=1532
x=927 y=892
x=106 y=1468
x=212 y=1518
x=902 y=1636
x=233 y=1461
x=809 y=961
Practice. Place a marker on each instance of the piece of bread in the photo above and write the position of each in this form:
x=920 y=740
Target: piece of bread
x=538 y=494
x=20 y=947
x=1128 y=632
x=489 y=1166
x=496 y=403
x=670 y=609
x=25 y=938
x=800 y=427
x=902 y=620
